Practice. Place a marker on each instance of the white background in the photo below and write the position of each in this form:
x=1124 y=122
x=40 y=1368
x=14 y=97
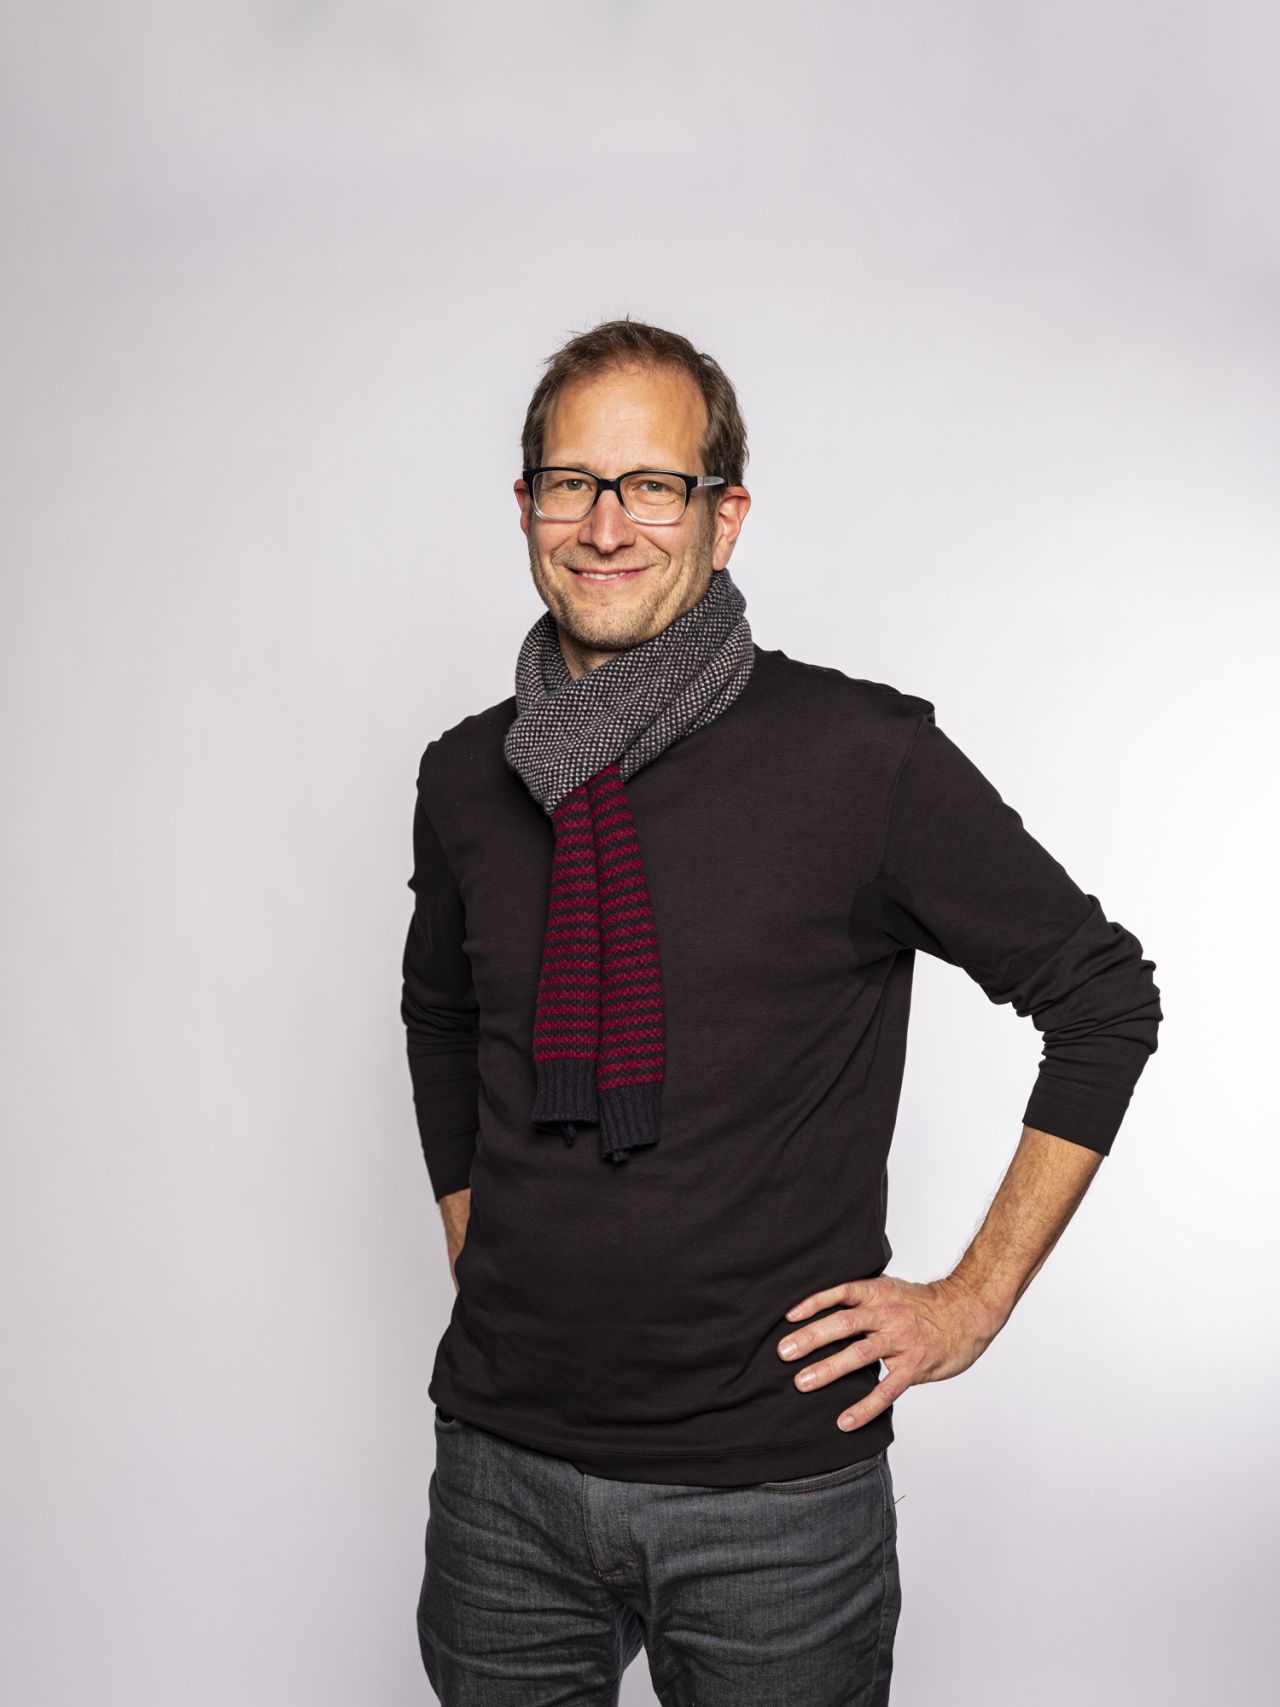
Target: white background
x=998 y=283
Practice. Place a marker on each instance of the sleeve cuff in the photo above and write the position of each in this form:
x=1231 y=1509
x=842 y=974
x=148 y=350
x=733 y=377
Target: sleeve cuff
x=449 y=1165
x=1075 y=1113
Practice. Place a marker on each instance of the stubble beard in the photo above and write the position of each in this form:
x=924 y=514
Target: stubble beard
x=621 y=629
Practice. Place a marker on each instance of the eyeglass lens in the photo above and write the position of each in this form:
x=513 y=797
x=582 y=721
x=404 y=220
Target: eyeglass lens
x=566 y=495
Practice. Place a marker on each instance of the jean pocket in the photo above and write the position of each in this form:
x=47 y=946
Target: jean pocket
x=827 y=1479
x=446 y=1424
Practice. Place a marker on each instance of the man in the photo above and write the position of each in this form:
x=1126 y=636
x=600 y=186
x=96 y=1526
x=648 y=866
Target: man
x=656 y=990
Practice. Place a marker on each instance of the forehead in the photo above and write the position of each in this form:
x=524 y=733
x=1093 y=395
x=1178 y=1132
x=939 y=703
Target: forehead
x=633 y=417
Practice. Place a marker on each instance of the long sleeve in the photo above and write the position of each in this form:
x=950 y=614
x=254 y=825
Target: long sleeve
x=441 y=1017
x=962 y=879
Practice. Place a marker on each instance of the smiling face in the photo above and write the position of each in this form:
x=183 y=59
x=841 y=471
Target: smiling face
x=609 y=582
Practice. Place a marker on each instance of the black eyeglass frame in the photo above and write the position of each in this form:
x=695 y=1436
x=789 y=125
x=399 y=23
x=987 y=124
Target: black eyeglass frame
x=692 y=484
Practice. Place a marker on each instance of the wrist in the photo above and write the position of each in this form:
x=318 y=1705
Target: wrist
x=980 y=1299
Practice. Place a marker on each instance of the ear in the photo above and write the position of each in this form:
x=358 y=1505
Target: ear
x=731 y=512
x=525 y=500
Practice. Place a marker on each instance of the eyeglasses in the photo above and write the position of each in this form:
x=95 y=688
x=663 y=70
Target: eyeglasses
x=649 y=495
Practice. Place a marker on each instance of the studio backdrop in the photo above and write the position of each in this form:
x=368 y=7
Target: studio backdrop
x=997 y=282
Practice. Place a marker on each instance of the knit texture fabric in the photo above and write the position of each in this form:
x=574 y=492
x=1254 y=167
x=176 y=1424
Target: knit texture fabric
x=634 y=707
x=598 y=1037
x=598 y=1034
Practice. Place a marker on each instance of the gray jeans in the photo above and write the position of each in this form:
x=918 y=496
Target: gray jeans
x=542 y=1583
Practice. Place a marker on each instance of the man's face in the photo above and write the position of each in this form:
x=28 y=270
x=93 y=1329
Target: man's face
x=612 y=583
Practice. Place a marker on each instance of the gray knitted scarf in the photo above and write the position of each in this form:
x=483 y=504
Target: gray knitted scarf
x=634 y=707
x=599 y=1032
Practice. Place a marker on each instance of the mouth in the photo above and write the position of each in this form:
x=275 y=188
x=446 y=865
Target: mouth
x=603 y=577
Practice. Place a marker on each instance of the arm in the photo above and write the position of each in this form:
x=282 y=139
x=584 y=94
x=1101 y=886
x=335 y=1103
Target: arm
x=961 y=879
x=931 y=1332
x=442 y=1024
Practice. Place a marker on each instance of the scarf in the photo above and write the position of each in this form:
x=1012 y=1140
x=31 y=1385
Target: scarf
x=599 y=1038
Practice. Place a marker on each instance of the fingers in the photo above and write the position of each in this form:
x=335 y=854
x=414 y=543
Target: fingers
x=878 y=1399
x=852 y=1292
x=856 y=1356
x=840 y=1325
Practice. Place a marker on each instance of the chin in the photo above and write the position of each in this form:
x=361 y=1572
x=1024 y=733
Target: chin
x=617 y=635
x=613 y=629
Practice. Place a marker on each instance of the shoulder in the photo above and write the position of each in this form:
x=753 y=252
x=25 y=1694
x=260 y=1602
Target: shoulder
x=829 y=696
x=467 y=756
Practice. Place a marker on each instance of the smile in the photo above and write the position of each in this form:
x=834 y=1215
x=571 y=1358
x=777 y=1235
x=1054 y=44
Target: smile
x=606 y=574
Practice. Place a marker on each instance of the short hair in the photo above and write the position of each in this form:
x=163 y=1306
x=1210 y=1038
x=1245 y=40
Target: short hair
x=626 y=343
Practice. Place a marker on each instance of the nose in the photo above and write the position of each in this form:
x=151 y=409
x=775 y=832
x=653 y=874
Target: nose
x=607 y=526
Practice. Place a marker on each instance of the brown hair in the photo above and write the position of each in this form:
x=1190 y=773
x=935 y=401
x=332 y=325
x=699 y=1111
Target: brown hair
x=623 y=343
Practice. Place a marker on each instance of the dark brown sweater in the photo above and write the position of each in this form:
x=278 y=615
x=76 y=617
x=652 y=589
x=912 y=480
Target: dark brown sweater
x=798 y=851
